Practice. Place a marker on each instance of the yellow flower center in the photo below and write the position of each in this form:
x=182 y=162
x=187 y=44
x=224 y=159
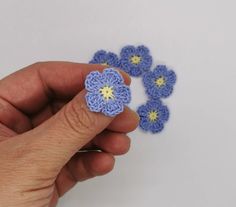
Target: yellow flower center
x=153 y=116
x=135 y=59
x=160 y=81
x=105 y=64
x=107 y=92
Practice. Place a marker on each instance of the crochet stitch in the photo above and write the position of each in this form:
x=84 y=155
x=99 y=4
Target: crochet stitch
x=153 y=115
x=108 y=59
x=107 y=92
x=135 y=61
x=159 y=82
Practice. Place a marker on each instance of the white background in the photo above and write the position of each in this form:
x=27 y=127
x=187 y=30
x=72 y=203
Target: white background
x=193 y=162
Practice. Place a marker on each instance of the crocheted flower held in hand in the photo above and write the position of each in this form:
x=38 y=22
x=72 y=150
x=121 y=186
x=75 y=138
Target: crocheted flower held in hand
x=135 y=61
x=153 y=115
x=159 y=82
x=107 y=92
x=105 y=58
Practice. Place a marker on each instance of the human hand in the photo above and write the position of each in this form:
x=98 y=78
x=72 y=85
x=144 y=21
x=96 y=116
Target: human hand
x=44 y=121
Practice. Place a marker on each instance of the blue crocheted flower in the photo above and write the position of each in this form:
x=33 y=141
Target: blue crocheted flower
x=159 y=82
x=107 y=92
x=135 y=61
x=105 y=58
x=153 y=115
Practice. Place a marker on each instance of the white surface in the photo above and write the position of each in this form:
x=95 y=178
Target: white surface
x=193 y=162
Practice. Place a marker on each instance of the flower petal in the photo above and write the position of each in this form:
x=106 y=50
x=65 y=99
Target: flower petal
x=154 y=92
x=94 y=81
x=112 y=108
x=163 y=114
x=125 y=65
x=142 y=111
x=112 y=59
x=166 y=91
x=156 y=127
x=154 y=104
x=148 y=79
x=144 y=123
x=112 y=76
x=123 y=93
x=99 y=57
x=146 y=63
x=160 y=70
x=171 y=77
x=94 y=102
x=127 y=51
x=135 y=71
x=143 y=50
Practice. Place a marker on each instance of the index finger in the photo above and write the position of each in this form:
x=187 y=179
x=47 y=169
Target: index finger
x=33 y=87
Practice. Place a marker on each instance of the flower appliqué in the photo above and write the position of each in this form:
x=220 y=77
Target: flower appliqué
x=135 y=60
x=159 y=83
x=108 y=59
x=107 y=92
x=153 y=116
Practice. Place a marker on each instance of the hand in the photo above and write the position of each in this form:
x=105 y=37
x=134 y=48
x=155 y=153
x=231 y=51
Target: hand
x=44 y=121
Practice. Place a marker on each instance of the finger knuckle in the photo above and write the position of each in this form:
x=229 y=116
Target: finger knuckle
x=79 y=118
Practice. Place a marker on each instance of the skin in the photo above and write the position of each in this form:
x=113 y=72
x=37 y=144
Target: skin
x=44 y=122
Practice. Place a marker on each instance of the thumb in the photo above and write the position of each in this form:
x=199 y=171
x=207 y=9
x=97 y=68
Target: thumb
x=60 y=137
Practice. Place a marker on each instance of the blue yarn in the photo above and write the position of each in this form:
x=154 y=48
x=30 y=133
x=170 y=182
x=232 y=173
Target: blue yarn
x=137 y=69
x=157 y=125
x=97 y=102
x=136 y=61
x=152 y=89
x=103 y=57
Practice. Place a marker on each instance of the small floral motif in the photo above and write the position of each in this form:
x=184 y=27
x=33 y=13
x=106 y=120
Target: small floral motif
x=108 y=59
x=153 y=116
x=107 y=92
x=135 y=61
x=159 y=82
